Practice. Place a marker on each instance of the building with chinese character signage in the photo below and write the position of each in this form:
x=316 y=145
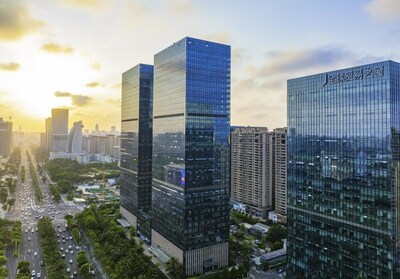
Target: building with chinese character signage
x=343 y=173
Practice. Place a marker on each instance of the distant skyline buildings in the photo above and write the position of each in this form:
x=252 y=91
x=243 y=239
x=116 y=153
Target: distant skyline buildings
x=343 y=173
x=59 y=129
x=74 y=144
x=5 y=137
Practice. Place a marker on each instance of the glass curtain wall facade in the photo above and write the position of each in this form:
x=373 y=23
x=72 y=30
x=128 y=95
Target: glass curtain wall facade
x=136 y=147
x=343 y=173
x=191 y=153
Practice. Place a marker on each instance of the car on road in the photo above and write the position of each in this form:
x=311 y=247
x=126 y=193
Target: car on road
x=29 y=238
x=63 y=256
x=34 y=253
x=70 y=261
x=75 y=273
x=41 y=263
x=71 y=252
x=33 y=273
x=38 y=275
x=29 y=251
x=68 y=270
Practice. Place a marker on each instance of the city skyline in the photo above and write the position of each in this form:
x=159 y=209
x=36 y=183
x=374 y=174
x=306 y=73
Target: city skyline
x=70 y=53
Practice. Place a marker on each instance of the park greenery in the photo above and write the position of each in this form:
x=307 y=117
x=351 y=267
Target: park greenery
x=10 y=234
x=74 y=172
x=120 y=256
x=13 y=163
x=55 y=267
x=35 y=183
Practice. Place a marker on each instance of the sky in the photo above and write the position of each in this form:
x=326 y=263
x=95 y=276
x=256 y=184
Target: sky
x=72 y=53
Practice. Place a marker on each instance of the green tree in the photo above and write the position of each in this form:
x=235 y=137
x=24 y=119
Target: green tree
x=81 y=259
x=3 y=260
x=64 y=186
x=23 y=267
x=175 y=269
x=76 y=234
x=276 y=245
x=276 y=233
x=3 y=195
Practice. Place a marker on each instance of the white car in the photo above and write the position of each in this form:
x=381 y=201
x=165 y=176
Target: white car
x=70 y=261
x=35 y=253
x=68 y=270
x=38 y=275
x=33 y=273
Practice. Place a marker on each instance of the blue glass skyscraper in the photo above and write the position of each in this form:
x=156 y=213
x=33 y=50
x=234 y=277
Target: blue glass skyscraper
x=136 y=147
x=343 y=173
x=191 y=122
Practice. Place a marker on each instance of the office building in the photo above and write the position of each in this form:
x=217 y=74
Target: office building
x=136 y=147
x=49 y=135
x=251 y=170
x=343 y=173
x=279 y=172
x=5 y=138
x=191 y=174
x=74 y=143
x=59 y=129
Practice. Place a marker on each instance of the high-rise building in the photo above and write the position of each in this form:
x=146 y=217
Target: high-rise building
x=5 y=137
x=59 y=129
x=74 y=143
x=258 y=170
x=110 y=143
x=251 y=171
x=136 y=147
x=49 y=134
x=279 y=172
x=191 y=174
x=343 y=173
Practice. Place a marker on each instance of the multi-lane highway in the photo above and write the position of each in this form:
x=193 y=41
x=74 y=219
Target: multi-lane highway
x=28 y=210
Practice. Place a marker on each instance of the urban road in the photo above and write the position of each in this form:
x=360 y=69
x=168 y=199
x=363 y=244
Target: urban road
x=28 y=210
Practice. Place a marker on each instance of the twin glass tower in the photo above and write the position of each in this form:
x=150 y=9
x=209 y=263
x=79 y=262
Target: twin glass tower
x=343 y=173
x=175 y=152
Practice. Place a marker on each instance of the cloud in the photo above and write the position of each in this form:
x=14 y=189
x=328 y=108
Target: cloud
x=93 y=84
x=77 y=100
x=16 y=22
x=80 y=100
x=62 y=94
x=56 y=48
x=11 y=67
x=88 y=4
x=222 y=37
x=96 y=66
x=300 y=60
x=180 y=6
x=116 y=102
x=117 y=85
x=384 y=10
